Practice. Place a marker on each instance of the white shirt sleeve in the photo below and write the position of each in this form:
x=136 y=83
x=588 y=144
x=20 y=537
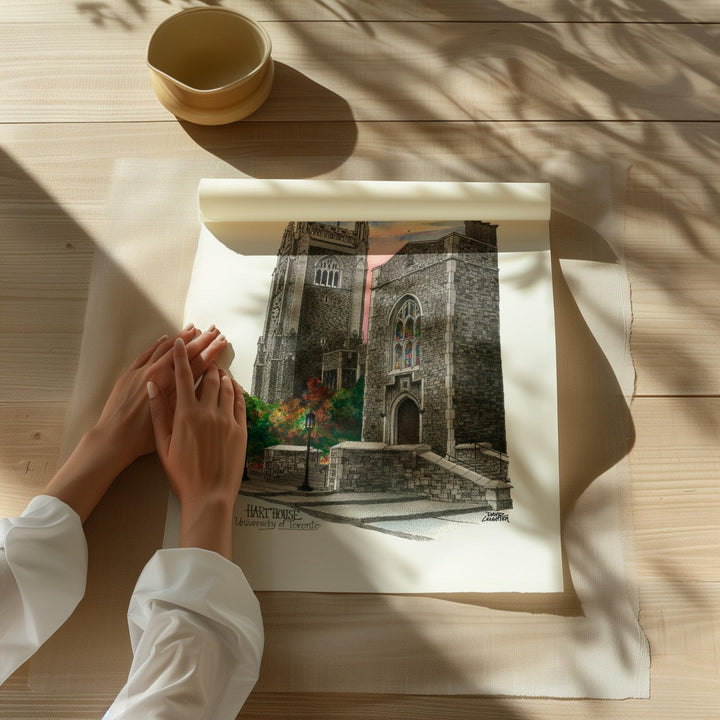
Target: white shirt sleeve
x=197 y=639
x=43 y=568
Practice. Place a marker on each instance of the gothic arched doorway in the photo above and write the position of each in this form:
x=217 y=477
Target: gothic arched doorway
x=407 y=429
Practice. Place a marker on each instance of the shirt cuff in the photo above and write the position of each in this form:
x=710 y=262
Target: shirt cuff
x=43 y=569
x=203 y=582
x=196 y=633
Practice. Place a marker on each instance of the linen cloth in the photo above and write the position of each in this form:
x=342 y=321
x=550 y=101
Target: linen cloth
x=195 y=624
x=585 y=642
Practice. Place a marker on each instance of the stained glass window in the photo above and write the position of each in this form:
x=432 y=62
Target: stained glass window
x=409 y=354
x=398 y=356
x=407 y=328
x=327 y=272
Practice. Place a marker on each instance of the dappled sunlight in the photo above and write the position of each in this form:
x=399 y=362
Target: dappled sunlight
x=305 y=156
x=126 y=549
x=132 y=14
x=535 y=91
x=610 y=11
x=532 y=71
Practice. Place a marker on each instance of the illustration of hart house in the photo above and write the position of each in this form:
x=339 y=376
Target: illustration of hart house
x=433 y=417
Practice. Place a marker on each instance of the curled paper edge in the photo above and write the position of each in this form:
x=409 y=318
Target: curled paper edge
x=232 y=200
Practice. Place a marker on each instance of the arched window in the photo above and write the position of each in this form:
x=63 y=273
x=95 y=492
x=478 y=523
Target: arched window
x=398 y=357
x=407 y=325
x=327 y=272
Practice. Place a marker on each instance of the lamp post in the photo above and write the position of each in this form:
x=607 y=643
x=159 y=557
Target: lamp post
x=309 y=425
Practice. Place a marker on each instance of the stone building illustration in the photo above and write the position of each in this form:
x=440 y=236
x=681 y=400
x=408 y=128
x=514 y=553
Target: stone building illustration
x=433 y=422
x=434 y=374
x=313 y=326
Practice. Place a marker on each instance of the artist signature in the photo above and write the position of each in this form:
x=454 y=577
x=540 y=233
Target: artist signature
x=495 y=516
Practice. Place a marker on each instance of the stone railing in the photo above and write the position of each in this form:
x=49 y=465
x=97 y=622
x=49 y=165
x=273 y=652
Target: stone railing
x=286 y=462
x=415 y=469
x=481 y=458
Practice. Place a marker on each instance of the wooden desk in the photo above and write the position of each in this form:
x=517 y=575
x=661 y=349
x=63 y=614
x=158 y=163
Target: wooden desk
x=403 y=90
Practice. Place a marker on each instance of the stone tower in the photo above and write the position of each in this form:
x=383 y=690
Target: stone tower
x=313 y=326
x=433 y=367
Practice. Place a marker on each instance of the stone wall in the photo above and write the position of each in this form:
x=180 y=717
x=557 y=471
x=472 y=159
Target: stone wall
x=415 y=469
x=371 y=467
x=477 y=369
x=285 y=464
x=481 y=458
x=423 y=277
x=458 y=383
x=305 y=320
x=298 y=235
x=484 y=232
x=274 y=369
x=324 y=326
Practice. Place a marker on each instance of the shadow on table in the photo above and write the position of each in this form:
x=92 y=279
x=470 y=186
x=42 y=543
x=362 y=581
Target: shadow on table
x=130 y=14
x=302 y=152
x=487 y=151
x=85 y=663
x=93 y=643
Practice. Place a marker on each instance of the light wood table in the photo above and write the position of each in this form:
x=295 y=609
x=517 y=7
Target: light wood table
x=455 y=90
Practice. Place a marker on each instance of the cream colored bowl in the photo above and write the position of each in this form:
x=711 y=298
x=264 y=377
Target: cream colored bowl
x=210 y=66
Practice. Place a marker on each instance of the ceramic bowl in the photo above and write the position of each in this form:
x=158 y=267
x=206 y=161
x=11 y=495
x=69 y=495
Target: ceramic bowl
x=210 y=66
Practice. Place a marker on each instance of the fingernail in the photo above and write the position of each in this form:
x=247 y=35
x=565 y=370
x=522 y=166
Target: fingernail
x=221 y=338
x=189 y=326
x=162 y=338
x=179 y=343
x=211 y=328
x=151 y=390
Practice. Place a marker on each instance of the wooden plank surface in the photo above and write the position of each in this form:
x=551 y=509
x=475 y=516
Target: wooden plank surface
x=396 y=71
x=430 y=90
x=680 y=614
x=681 y=619
x=675 y=466
x=670 y=237
x=131 y=14
x=29 y=451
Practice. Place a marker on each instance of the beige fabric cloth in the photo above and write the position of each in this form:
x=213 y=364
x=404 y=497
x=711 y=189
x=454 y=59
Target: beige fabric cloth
x=585 y=642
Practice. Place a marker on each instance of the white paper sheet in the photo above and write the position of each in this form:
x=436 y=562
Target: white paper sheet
x=517 y=549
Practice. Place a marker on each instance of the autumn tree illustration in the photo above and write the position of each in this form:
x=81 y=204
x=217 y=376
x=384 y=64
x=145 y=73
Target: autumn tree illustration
x=338 y=417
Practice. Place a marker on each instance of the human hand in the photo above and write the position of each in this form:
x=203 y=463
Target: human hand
x=202 y=446
x=125 y=419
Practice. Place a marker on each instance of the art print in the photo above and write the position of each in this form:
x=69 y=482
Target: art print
x=377 y=392
x=400 y=382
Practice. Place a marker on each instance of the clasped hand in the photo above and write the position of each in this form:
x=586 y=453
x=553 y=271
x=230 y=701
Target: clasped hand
x=200 y=436
x=202 y=444
x=126 y=414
